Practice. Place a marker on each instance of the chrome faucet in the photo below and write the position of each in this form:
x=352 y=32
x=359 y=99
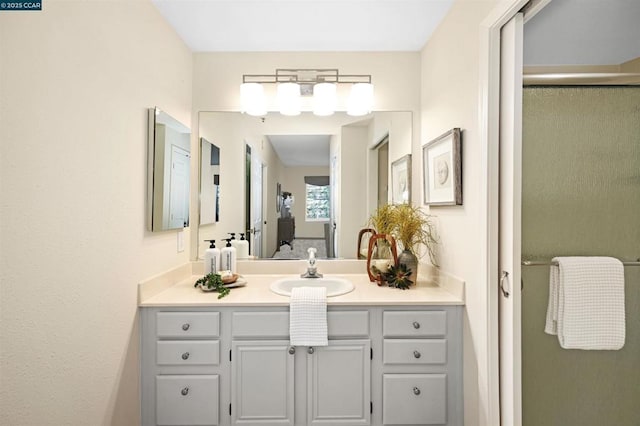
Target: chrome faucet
x=312 y=269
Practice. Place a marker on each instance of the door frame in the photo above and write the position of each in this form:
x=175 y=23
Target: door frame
x=489 y=131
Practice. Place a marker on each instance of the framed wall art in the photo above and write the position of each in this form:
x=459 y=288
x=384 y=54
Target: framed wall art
x=401 y=180
x=442 y=170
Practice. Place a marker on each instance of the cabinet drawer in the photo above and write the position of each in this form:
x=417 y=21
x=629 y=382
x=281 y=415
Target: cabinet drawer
x=415 y=351
x=414 y=324
x=414 y=399
x=187 y=400
x=255 y=325
x=188 y=324
x=188 y=352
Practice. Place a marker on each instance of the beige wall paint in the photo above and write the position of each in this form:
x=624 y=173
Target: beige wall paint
x=450 y=98
x=75 y=82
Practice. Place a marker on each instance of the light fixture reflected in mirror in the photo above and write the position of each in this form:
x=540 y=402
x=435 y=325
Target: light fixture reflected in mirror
x=295 y=83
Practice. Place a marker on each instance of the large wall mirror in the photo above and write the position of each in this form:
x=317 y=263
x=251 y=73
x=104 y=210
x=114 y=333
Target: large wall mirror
x=295 y=182
x=167 y=172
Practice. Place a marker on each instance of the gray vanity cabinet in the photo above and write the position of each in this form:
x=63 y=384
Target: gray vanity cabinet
x=227 y=366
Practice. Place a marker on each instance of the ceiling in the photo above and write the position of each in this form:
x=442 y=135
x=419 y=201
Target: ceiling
x=583 y=32
x=304 y=25
x=565 y=32
x=302 y=150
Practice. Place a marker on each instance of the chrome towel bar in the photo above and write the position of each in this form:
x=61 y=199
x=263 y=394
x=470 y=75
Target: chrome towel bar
x=549 y=263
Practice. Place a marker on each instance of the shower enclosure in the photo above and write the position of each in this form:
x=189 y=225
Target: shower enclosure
x=580 y=196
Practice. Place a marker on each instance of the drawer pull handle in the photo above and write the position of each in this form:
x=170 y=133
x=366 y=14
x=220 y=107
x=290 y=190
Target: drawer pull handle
x=310 y=350
x=416 y=391
x=185 y=327
x=416 y=354
x=185 y=391
x=416 y=325
x=292 y=350
x=185 y=356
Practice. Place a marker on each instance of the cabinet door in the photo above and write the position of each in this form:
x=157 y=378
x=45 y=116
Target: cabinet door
x=262 y=383
x=339 y=383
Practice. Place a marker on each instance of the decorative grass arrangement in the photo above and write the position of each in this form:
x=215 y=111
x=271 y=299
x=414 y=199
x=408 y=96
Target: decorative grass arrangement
x=414 y=229
x=409 y=225
x=383 y=220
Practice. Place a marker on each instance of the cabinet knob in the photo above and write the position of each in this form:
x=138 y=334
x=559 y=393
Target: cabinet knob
x=416 y=325
x=292 y=350
x=310 y=350
x=185 y=391
x=416 y=354
x=185 y=356
x=416 y=391
x=185 y=327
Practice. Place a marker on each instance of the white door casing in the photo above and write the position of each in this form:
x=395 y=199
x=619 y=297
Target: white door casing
x=256 y=203
x=510 y=206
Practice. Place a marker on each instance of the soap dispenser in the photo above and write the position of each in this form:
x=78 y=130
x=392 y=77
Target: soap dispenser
x=211 y=258
x=242 y=247
x=228 y=257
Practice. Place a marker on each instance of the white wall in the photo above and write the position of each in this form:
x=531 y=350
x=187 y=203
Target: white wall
x=76 y=80
x=450 y=98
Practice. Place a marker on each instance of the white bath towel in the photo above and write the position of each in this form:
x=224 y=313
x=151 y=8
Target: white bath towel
x=586 y=303
x=308 y=316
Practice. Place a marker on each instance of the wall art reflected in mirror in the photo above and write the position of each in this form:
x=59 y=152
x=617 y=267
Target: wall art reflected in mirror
x=335 y=171
x=168 y=172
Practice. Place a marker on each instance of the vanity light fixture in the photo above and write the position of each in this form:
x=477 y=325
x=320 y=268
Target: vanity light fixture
x=293 y=84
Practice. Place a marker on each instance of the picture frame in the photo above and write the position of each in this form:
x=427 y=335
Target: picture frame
x=278 y=196
x=442 y=169
x=401 y=180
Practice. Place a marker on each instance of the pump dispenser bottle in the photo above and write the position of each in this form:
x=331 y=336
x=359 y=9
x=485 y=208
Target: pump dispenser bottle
x=211 y=258
x=242 y=247
x=228 y=257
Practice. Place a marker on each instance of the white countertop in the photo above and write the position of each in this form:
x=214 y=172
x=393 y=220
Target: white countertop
x=257 y=293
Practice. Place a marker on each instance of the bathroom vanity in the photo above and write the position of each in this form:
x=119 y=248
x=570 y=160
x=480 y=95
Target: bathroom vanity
x=394 y=358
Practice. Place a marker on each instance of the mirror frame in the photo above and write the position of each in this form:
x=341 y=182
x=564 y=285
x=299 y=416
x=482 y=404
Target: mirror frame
x=152 y=143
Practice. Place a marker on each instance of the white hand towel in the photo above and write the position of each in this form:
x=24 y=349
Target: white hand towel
x=308 y=316
x=586 y=303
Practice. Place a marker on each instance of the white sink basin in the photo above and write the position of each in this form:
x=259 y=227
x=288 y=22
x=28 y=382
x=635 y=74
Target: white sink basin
x=334 y=286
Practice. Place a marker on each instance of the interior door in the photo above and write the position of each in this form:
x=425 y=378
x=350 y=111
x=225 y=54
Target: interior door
x=510 y=221
x=179 y=188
